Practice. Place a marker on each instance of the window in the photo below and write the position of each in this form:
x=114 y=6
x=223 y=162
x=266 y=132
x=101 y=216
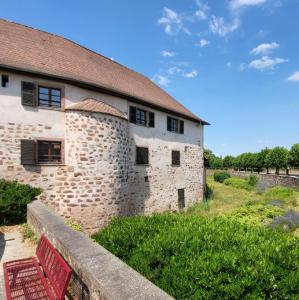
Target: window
x=49 y=152
x=142 y=117
x=4 y=80
x=175 y=125
x=41 y=152
x=175 y=158
x=141 y=156
x=181 y=198
x=49 y=97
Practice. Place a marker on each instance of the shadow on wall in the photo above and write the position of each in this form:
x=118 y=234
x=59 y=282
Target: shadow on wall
x=2 y=244
x=139 y=191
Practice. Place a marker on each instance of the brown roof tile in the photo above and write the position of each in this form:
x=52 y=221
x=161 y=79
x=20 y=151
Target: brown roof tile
x=36 y=51
x=92 y=105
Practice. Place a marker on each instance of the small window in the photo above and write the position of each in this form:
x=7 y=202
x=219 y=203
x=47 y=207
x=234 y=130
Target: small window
x=4 y=80
x=49 y=152
x=181 y=198
x=49 y=97
x=142 y=117
x=141 y=156
x=175 y=125
x=175 y=157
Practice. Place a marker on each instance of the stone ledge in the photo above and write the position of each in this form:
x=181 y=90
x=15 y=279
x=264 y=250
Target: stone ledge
x=104 y=275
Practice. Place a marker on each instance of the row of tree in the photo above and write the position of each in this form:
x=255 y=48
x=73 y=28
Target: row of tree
x=276 y=158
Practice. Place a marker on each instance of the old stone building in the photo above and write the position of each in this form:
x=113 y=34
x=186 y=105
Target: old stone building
x=100 y=139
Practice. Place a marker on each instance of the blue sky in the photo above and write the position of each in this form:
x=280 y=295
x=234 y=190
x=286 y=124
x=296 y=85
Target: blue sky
x=233 y=62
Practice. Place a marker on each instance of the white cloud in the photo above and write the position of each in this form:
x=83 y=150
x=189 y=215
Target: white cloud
x=190 y=74
x=200 y=15
x=218 y=26
x=185 y=73
x=162 y=80
x=165 y=53
x=294 y=77
x=266 y=63
x=172 y=22
x=202 y=43
x=224 y=145
x=237 y=4
x=264 y=48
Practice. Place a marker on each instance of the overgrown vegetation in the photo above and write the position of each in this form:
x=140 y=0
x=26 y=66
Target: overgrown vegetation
x=226 y=247
x=28 y=234
x=220 y=176
x=247 y=184
x=14 y=198
x=72 y=224
x=207 y=258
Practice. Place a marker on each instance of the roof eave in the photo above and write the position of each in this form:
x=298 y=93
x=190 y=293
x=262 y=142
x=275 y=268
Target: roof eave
x=104 y=89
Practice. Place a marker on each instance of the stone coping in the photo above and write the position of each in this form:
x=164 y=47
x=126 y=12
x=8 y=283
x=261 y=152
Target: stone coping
x=103 y=274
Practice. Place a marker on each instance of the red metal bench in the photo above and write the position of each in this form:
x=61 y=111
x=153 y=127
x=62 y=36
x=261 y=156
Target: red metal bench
x=44 y=277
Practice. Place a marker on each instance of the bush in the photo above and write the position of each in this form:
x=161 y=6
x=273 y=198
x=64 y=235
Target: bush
x=14 y=198
x=253 y=180
x=279 y=192
x=220 y=176
x=201 y=258
x=238 y=183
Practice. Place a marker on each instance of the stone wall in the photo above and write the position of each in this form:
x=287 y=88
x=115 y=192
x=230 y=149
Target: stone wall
x=101 y=275
x=268 y=180
x=93 y=188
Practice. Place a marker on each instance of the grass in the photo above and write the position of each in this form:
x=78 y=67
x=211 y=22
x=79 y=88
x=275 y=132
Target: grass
x=193 y=257
x=225 y=247
x=28 y=234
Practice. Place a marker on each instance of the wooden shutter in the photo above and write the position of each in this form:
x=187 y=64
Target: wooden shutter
x=151 y=119
x=141 y=156
x=169 y=123
x=181 y=127
x=181 y=198
x=133 y=114
x=28 y=152
x=175 y=158
x=28 y=94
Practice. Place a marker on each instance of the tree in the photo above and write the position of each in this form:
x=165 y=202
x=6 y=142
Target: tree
x=294 y=156
x=278 y=158
x=207 y=154
x=216 y=162
x=228 y=162
x=261 y=160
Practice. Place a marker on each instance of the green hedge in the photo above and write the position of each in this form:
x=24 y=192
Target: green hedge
x=238 y=183
x=14 y=198
x=200 y=258
x=220 y=176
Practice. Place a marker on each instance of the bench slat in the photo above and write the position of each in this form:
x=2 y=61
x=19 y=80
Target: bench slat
x=56 y=269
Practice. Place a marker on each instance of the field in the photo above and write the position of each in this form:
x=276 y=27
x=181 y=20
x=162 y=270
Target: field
x=237 y=244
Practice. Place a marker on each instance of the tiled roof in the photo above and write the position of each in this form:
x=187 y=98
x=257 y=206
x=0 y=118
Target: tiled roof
x=31 y=50
x=92 y=105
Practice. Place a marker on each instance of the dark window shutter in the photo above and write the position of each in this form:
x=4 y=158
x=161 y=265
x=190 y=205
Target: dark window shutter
x=176 y=161
x=182 y=127
x=151 y=117
x=28 y=152
x=168 y=123
x=133 y=114
x=141 y=156
x=28 y=94
x=181 y=196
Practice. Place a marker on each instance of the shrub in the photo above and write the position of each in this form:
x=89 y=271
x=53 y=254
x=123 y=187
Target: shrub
x=14 y=198
x=253 y=180
x=238 y=183
x=279 y=192
x=220 y=176
x=201 y=258
x=208 y=193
